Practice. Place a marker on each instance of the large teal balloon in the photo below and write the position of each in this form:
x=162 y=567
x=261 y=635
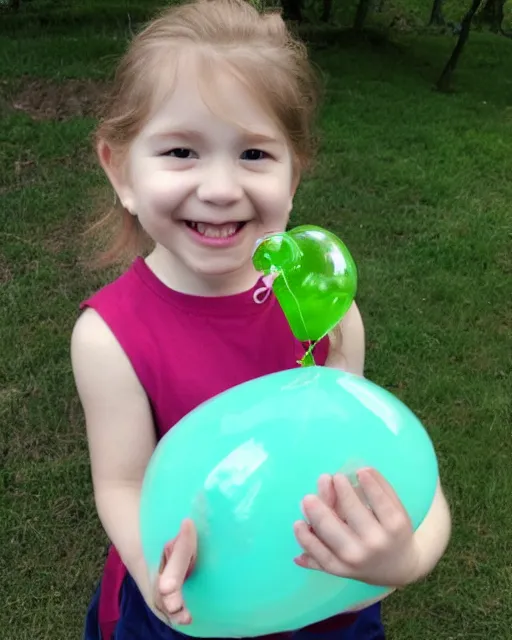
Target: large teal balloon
x=239 y=466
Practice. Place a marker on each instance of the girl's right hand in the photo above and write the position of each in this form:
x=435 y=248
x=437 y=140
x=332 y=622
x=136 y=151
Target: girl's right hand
x=177 y=563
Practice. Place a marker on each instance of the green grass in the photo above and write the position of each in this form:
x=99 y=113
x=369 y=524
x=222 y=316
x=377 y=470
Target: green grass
x=418 y=185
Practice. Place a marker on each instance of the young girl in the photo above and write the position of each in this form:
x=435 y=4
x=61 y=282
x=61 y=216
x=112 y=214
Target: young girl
x=206 y=136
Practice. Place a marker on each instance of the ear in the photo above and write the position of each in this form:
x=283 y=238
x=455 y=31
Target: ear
x=116 y=173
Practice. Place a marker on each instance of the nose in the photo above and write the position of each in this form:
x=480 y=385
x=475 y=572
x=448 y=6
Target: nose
x=220 y=185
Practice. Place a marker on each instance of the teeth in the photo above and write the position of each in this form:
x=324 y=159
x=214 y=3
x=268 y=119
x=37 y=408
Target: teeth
x=215 y=231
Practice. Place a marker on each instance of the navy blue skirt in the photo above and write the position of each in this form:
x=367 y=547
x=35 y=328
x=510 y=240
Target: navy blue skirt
x=137 y=622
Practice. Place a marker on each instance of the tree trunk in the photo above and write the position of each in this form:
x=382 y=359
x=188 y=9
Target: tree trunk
x=363 y=7
x=445 y=79
x=292 y=10
x=498 y=17
x=436 y=17
x=326 y=11
x=492 y=14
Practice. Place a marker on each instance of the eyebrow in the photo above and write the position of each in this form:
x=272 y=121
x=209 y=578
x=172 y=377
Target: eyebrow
x=259 y=137
x=182 y=134
x=191 y=135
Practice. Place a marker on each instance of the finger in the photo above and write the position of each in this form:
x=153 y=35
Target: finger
x=326 y=491
x=387 y=508
x=173 y=604
x=385 y=485
x=166 y=555
x=307 y=562
x=317 y=555
x=173 y=609
x=179 y=555
x=350 y=508
x=183 y=617
x=171 y=600
x=183 y=554
x=332 y=532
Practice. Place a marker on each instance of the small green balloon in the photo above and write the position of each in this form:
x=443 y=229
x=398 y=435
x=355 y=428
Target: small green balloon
x=316 y=278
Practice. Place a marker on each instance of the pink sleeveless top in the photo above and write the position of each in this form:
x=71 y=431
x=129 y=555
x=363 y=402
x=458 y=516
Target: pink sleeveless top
x=184 y=350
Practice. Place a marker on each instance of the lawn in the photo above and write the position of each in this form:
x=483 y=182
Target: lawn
x=417 y=184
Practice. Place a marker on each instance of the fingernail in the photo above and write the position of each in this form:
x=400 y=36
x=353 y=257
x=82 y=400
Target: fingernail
x=309 y=502
x=300 y=561
x=369 y=472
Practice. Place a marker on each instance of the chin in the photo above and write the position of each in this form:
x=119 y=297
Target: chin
x=222 y=268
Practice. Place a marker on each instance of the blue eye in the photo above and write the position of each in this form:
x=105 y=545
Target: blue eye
x=254 y=154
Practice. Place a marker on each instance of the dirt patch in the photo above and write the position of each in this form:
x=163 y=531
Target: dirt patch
x=46 y=100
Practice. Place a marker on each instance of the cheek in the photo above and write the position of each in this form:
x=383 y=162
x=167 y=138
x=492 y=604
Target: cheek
x=275 y=201
x=277 y=213
x=162 y=190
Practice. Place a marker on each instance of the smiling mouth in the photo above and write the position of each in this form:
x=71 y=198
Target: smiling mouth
x=216 y=230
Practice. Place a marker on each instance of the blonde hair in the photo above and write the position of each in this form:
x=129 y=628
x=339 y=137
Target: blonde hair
x=257 y=48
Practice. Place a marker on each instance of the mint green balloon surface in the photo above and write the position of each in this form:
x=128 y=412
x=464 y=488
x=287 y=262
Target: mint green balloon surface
x=316 y=278
x=239 y=466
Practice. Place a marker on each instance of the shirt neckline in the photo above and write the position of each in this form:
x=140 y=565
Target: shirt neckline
x=236 y=304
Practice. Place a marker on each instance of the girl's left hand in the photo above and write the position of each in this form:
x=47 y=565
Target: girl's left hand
x=373 y=543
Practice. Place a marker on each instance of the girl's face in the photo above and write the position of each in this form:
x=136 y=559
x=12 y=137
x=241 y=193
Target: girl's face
x=206 y=185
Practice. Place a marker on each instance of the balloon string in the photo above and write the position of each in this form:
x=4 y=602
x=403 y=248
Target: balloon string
x=308 y=358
